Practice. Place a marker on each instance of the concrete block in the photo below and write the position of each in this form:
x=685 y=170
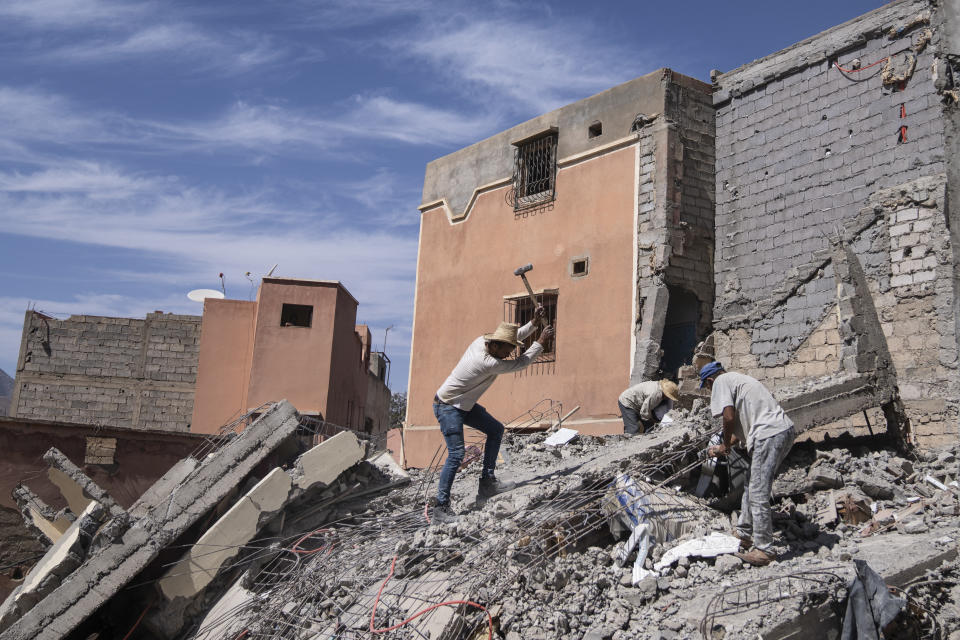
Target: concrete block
x=326 y=461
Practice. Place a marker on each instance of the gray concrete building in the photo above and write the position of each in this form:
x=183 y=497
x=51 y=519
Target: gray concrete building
x=836 y=159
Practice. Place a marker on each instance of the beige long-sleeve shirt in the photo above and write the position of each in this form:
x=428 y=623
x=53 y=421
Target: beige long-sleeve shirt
x=477 y=370
x=643 y=398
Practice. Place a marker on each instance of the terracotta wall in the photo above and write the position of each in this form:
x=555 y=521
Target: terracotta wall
x=248 y=358
x=465 y=269
x=293 y=362
x=226 y=350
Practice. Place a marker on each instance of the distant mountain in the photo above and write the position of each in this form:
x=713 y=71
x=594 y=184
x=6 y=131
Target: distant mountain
x=6 y=392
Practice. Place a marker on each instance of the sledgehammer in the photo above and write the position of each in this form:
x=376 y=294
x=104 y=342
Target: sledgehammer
x=522 y=272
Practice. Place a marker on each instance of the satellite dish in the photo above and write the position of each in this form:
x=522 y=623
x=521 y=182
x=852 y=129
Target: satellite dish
x=198 y=295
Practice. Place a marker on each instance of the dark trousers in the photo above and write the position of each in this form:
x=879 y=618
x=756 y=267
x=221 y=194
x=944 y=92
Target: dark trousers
x=632 y=422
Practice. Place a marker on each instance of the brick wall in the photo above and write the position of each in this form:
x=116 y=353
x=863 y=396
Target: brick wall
x=119 y=372
x=807 y=154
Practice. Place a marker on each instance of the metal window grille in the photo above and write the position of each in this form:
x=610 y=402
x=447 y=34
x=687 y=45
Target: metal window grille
x=520 y=311
x=535 y=172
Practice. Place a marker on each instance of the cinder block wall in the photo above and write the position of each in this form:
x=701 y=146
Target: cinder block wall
x=118 y=372
x=806 y=152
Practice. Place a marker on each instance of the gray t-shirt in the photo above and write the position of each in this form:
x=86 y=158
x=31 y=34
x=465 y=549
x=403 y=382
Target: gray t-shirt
x=758 y=413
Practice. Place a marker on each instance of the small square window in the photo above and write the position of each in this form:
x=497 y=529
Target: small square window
x=595 y=130
x=296 y=315
x=579 y=267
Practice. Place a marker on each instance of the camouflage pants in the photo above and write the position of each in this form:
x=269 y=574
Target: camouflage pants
x=756 y=519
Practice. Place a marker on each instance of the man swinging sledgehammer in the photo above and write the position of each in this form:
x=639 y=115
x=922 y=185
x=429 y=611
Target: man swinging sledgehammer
x=456 y=405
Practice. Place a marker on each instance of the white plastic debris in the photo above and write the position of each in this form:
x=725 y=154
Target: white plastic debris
x=561 y=436
x=660 y=412
x=936 y=483
x=913 y=499
x=715 y=544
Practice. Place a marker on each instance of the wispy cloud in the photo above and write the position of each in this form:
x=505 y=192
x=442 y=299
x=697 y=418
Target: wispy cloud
x=533 y=62
x=29 y=115
x=233 y=52
x=72 y=14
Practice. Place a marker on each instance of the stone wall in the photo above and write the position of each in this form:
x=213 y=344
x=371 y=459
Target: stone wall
x=675 y=207
x=118 y=372
x=809 y=156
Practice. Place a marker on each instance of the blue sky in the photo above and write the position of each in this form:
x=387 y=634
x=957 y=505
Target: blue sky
x=146 y=147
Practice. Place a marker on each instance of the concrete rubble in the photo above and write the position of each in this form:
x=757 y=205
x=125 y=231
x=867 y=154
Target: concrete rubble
x=329 y=540
x=276 y=530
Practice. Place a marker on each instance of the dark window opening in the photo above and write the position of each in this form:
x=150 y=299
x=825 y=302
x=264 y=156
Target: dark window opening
x=679 y=331
x=296 y=315
x=579 y=267
x=594 y=130
x=535 y=171
x=520 y=311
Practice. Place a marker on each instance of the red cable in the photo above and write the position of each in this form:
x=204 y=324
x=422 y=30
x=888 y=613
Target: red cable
x=872 y=64
x=376 y=602
x=137 y=623
x=306 y=552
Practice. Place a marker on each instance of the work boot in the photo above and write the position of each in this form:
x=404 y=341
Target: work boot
x=490 y=487
x=757 y=557
x=442 y=513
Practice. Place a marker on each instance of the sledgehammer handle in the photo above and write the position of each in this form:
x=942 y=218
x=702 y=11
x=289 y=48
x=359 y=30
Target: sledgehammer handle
x=533 y=298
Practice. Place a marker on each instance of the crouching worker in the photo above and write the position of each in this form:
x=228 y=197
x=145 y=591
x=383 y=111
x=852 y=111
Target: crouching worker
x=752 y=416
x=643 y=405
x=456 y=405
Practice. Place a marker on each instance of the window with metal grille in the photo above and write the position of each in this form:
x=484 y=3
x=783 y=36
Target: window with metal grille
x=535 y=171
x=520 y=311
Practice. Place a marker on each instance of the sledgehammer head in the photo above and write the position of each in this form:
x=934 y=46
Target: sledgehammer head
x=519 y=271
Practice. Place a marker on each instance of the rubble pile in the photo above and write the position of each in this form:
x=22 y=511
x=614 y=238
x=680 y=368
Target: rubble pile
x=603 y=539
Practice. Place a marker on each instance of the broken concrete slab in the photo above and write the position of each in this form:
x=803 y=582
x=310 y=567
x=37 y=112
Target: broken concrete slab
x=211 y=554
x=104 y=574
x=59 y=561
x=224 y=539
x=78 y=489
x=162 y=487
x=322 y=464
x=39 y=517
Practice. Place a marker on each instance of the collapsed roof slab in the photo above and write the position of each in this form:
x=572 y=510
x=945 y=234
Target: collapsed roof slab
x=184 y=584
x=104 y=574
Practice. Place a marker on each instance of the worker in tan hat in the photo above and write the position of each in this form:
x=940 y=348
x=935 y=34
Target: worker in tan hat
x=456 y=405
x=643 y=405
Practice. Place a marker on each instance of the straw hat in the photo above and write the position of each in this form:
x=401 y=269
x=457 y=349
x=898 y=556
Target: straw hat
x=506 y=332
x=670 y=390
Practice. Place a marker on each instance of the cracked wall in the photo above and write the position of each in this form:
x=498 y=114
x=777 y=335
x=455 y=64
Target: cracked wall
x=808 y=154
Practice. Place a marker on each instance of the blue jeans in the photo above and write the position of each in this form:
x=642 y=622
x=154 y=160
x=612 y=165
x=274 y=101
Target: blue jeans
x=451 y=421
